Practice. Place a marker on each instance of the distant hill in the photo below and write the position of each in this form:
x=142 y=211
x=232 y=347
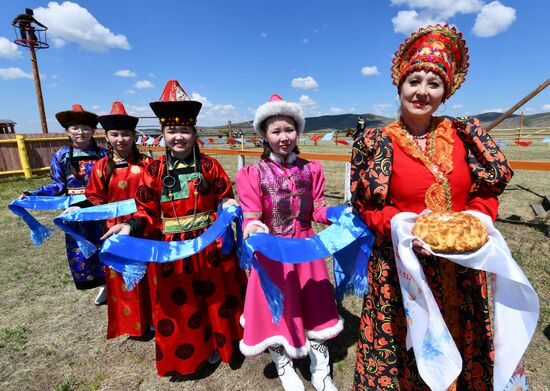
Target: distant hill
x=344 y=121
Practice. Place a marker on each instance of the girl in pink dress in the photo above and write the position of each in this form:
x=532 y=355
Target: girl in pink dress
x=282 y=194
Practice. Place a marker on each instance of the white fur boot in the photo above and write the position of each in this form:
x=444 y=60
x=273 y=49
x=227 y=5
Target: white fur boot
x=320 y=369
x=285 y=369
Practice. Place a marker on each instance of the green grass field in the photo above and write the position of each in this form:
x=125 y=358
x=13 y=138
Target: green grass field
x=52 y=337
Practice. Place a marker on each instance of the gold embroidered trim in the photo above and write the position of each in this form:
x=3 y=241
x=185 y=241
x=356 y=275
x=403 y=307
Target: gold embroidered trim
x=187 y=223
x=438 y=160
x=80 y=190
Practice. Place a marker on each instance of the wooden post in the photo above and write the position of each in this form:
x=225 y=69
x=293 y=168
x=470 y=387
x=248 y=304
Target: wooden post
x=518 y=105
x=23 y=157
x=520 y=126
x=38 y=88
x=240 y=162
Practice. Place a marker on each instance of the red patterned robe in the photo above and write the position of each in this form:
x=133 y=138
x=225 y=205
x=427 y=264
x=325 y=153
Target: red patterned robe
x=129 y=312
x=200 y=298
x=387 y=178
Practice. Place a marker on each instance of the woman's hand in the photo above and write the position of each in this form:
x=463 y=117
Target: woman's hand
x=419 y=250
x=120 y=229
x=70 y=209
x=229 y=202
x=252 y=228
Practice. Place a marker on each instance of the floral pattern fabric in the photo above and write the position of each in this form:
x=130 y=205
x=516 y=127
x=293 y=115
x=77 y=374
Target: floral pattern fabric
x=479 y=171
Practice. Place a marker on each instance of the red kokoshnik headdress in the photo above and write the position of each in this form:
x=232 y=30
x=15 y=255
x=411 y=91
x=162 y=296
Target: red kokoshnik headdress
x=439 y=49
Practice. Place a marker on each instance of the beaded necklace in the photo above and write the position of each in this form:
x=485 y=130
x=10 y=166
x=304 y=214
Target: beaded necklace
x=429 y=147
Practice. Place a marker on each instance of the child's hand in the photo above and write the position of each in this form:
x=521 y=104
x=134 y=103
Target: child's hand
x=70 y=209
x=229 y=202
x=120 y=229
x=252 y=228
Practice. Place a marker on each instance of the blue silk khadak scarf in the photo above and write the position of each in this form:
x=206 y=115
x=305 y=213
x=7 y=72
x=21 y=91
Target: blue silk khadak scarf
x=348 y=239
x=66 y=221
x=39 y=232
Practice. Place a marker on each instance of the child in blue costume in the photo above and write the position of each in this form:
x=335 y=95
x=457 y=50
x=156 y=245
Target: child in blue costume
x=69 y=170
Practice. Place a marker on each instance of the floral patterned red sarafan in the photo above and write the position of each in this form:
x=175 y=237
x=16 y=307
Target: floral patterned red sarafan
x=382 y=167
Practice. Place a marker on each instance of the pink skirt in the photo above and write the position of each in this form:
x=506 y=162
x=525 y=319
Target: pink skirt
x=309 y=309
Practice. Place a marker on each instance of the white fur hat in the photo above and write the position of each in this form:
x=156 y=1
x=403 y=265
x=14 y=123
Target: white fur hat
x=277 y=106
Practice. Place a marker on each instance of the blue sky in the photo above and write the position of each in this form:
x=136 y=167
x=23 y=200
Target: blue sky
x=331 y=57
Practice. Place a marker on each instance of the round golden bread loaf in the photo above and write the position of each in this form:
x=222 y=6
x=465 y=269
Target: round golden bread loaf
x=451 y=232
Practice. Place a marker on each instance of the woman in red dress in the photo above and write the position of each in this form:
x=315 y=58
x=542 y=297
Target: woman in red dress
x=425 y=162
x=116 y=178
x=200 y=298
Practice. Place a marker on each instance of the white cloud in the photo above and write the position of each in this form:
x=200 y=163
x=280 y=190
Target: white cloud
x=263 y=35
x=370 y=71
x=14 y=73
x=336 y=110
x=125 y=73
x=310 y=107
x=491 y=18
x=152 y=75
x=223 y=110
x=143 y=84
x=137 y=110
x=305 y=40
x=495 y=110
x=69 y=22
x=381 y=108
x=218 y=114
x=130 y=91
x=408 y=21
x=494 y=18
x=59 y=43
x=546 y=107
x=203 y=99
x=443 y=8
x=458 y=106
x=304 y=83
x=215 y=113
x=8 y=49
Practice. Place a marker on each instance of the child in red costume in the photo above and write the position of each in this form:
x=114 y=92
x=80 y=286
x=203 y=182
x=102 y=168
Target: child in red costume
x=200 y=298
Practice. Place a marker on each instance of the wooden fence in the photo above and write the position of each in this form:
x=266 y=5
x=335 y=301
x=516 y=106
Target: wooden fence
x=31 y=154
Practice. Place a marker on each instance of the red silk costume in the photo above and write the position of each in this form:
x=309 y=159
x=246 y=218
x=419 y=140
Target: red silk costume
x=200 y=298
x=129 y=312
